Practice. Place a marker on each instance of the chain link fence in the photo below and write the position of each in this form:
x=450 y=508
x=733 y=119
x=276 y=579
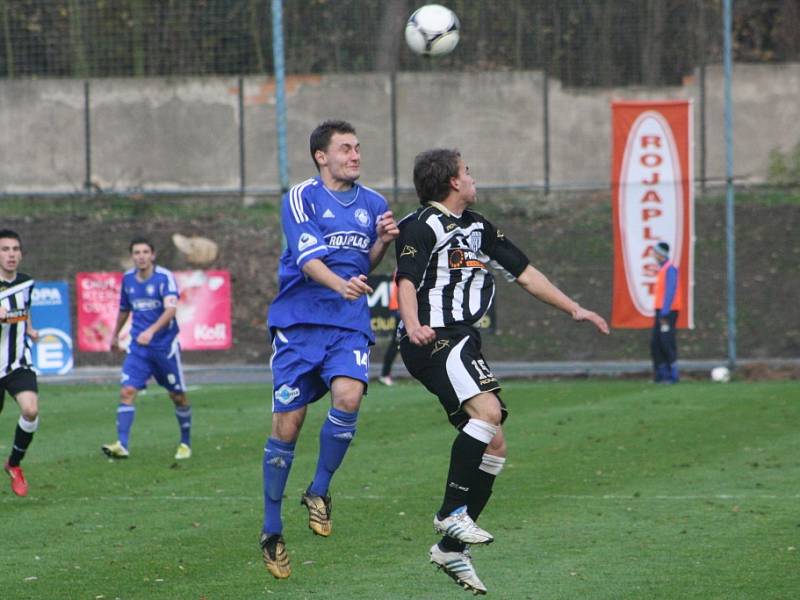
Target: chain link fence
x=594 y=43
x=85 y=52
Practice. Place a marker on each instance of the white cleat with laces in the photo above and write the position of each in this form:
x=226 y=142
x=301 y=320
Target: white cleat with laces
x=458 y=565
x=458 y=525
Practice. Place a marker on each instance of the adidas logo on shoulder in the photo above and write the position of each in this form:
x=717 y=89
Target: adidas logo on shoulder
x=328 y=214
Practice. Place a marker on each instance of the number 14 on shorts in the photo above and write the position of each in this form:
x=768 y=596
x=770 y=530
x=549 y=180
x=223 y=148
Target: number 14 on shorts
x=362 y=358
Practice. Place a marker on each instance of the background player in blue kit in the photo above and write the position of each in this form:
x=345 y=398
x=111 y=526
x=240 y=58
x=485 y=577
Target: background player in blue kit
x=151 y=294
x=336 y=232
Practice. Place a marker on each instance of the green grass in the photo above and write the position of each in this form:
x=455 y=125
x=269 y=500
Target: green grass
x=612 y=490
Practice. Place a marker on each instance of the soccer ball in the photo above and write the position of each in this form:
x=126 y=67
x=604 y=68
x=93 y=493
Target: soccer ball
x=720 y=374
x=432 y=30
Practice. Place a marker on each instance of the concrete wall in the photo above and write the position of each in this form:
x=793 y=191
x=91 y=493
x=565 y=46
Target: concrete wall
x=183 y=134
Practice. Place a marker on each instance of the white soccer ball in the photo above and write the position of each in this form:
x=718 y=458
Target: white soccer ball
x=720 y=374
x=432 y=30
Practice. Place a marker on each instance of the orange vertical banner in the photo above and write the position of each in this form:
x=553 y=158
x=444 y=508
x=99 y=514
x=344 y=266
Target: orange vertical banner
x=652 y=197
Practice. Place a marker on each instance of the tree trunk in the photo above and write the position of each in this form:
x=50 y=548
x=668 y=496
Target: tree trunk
x=392 y=25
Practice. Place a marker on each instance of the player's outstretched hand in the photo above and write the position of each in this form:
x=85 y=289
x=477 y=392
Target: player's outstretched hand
x=33 y=334
x=355 y=288
x=387 y=227
x=587 y=315
x=422 y=336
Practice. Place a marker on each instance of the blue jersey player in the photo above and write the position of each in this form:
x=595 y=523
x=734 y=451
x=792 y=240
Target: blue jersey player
x=336 y=232
x=150 y=293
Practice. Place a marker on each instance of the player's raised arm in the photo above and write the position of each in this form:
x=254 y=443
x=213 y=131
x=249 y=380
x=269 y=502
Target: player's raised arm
x=538 y=285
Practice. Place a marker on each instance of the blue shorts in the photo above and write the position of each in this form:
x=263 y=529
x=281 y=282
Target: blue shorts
x=164 y=364
x=305 y=358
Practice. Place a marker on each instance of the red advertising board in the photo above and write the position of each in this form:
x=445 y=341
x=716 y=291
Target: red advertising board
x=652 y=201
x=97 y=301
x=204 y=310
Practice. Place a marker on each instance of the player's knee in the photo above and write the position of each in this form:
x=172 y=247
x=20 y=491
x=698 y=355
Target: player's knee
x=349 y=404
x=28 y=423
x=30 y=414
x=497 y=446
x=491 y=413
x=286 y=426
x=127 y=395
x=179 y=399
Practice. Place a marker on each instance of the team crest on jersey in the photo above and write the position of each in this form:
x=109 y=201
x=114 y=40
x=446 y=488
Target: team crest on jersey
x=362 y=216
x=474 y=241
x=150 y=289
x=306 y=241
x=286 y=394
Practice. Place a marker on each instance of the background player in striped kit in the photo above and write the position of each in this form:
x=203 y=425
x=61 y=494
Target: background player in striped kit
x=150 y=292
x=16 y=365
x=336 y=232
x=444 y=288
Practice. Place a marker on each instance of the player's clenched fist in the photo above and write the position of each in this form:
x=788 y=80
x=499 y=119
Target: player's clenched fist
x=355 y=287
x=422 y=335
x=387 y=227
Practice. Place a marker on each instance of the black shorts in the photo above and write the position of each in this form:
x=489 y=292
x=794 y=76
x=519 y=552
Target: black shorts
x=19 y=380
x=452 y=368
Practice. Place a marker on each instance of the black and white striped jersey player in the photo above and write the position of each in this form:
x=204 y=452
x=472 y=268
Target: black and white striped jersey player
x=445 y=286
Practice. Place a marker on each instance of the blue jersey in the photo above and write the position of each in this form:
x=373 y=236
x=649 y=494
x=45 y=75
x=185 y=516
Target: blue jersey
x=145 y=299
x=320 y=224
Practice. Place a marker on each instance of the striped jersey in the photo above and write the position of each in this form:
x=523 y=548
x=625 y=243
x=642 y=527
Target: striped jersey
x=15 y=350
x=447 y=258
x=337 y=228
x=145 y=299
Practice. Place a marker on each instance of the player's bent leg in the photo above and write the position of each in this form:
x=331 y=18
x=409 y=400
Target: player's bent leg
x=458 y=566
x=126 y=411
x=492 y=463
x=276 y=465
x=23 y=436
x=183 y=414
x=453 y=519
x=335 y=436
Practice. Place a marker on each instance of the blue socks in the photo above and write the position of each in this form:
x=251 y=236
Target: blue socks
x=125 y=415
x=184 y=416
x=334 y=438
x=277 y=463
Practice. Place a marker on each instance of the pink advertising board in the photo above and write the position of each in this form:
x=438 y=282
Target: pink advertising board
x=204 y=310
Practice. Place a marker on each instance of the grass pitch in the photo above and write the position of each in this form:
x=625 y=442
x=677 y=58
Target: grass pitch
x=612 y=490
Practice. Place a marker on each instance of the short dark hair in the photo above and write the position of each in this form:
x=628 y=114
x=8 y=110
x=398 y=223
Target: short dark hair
x=433 y=170
x=662 y=249
x=141 y=240
x=321 y=136
x=10 y=234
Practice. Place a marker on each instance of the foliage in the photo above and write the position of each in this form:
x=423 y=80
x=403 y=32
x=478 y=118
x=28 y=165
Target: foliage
x=598 y=43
